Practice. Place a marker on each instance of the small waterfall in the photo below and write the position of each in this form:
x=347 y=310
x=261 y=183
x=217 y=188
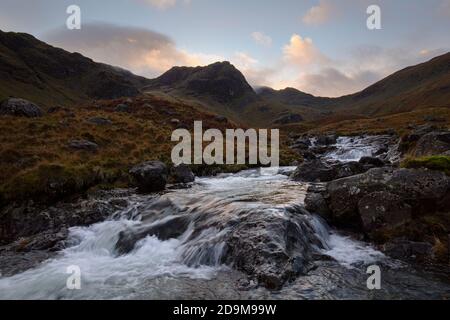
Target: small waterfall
x=252 y=221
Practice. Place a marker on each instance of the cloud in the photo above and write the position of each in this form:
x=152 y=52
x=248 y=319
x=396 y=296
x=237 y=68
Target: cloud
x=302 y=52
x=319 y=14
x=141 y=51
x=261 y=38
x=161 y=4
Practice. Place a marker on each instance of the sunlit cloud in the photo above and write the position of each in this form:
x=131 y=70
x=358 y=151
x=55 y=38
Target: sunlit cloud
x=319 y=14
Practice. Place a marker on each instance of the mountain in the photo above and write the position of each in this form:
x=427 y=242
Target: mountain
x=46 y=75
x=220 y=82
x=292 y=96
x=423 y=85
x=34 y=70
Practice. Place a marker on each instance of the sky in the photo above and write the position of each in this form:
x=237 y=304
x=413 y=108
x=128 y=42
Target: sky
x=322 y=47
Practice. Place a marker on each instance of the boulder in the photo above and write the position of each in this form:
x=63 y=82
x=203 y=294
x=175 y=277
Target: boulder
x=383 y=210
x=100 y=121
x=315 y=203
x=221 y=119
x=326 y=140
x=314 y=171
x=20 y=108
x=182 y=174
x=85 y=145
x=433 y=143
x=423 y=190
x=408 y=250
x=122 y=108
x=150 y=176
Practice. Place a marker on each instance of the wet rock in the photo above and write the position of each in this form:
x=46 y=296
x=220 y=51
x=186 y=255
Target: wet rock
x=314 y=171
x=150 y=176
x=271 y=248
x=372 y=161
x=20 y=108
x=408 y=250
x=349 y=169
x=100 y=121
x=315 y=203
x=182 y=174
x=83 y=145
x=28 y=220
x=122 y=108
x=383 y=210
x=326 y=140
x=169 y=229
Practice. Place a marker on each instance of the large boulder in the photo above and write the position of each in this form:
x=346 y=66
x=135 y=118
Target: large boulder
x=150 y=176
x=20 y=108
x=433 y=143
x=381 y=192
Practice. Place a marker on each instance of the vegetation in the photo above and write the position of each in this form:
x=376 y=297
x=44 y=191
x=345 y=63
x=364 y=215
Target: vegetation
x=37 y=163
x=439 y=163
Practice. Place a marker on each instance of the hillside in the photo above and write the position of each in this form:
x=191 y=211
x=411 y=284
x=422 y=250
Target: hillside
x=34 y=70
x=423 y=85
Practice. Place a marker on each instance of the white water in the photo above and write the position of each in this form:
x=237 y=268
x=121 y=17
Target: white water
x=143 y=271
x=353 y=148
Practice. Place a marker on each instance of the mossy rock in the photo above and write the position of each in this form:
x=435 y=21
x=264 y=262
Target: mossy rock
x=438 y=163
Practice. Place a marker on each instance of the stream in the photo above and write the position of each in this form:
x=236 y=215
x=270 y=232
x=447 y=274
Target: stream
x=204 y=242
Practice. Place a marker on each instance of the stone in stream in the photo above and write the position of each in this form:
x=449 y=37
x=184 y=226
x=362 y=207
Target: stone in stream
x=150 y=176
x=182 y=174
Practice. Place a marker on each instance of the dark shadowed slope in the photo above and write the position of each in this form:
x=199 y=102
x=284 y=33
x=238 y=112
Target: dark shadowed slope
x=34 y=70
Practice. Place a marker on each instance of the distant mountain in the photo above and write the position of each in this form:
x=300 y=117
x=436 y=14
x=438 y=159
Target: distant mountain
x=219 y=83
x=46 y=75
x=34 y=70
x=423 y=85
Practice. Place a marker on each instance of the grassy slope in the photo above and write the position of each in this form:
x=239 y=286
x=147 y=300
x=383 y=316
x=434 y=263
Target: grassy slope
x=34 y=153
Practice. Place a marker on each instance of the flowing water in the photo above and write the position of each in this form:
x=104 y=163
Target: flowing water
x=177 y=246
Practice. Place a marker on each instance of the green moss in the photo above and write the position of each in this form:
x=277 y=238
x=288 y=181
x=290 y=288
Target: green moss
x=439 y=163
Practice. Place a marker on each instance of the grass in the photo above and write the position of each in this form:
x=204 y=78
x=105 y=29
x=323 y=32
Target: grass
x=36 y=162
x=439 y=163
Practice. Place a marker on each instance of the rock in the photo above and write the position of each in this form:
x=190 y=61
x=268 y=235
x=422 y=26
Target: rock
x=408 y=250
x=314 y=171
x=83 y=145
x=288 y=118
x=326 y=140
x=272 y=248
x=383 y=210
x=372 y=161
x=349 y=169
x=100 y=121
x=423 y=190
x=150 y=176
x=316 y=203
x=433 y=143
x=122 y=108
x=182 y=174
x=39 y=227
x=20 y=108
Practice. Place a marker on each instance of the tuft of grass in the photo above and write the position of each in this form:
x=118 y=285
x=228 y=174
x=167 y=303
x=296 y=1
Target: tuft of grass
x=438 y=163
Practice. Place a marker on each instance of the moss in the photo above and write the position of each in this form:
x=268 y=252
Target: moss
x=439 y=163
